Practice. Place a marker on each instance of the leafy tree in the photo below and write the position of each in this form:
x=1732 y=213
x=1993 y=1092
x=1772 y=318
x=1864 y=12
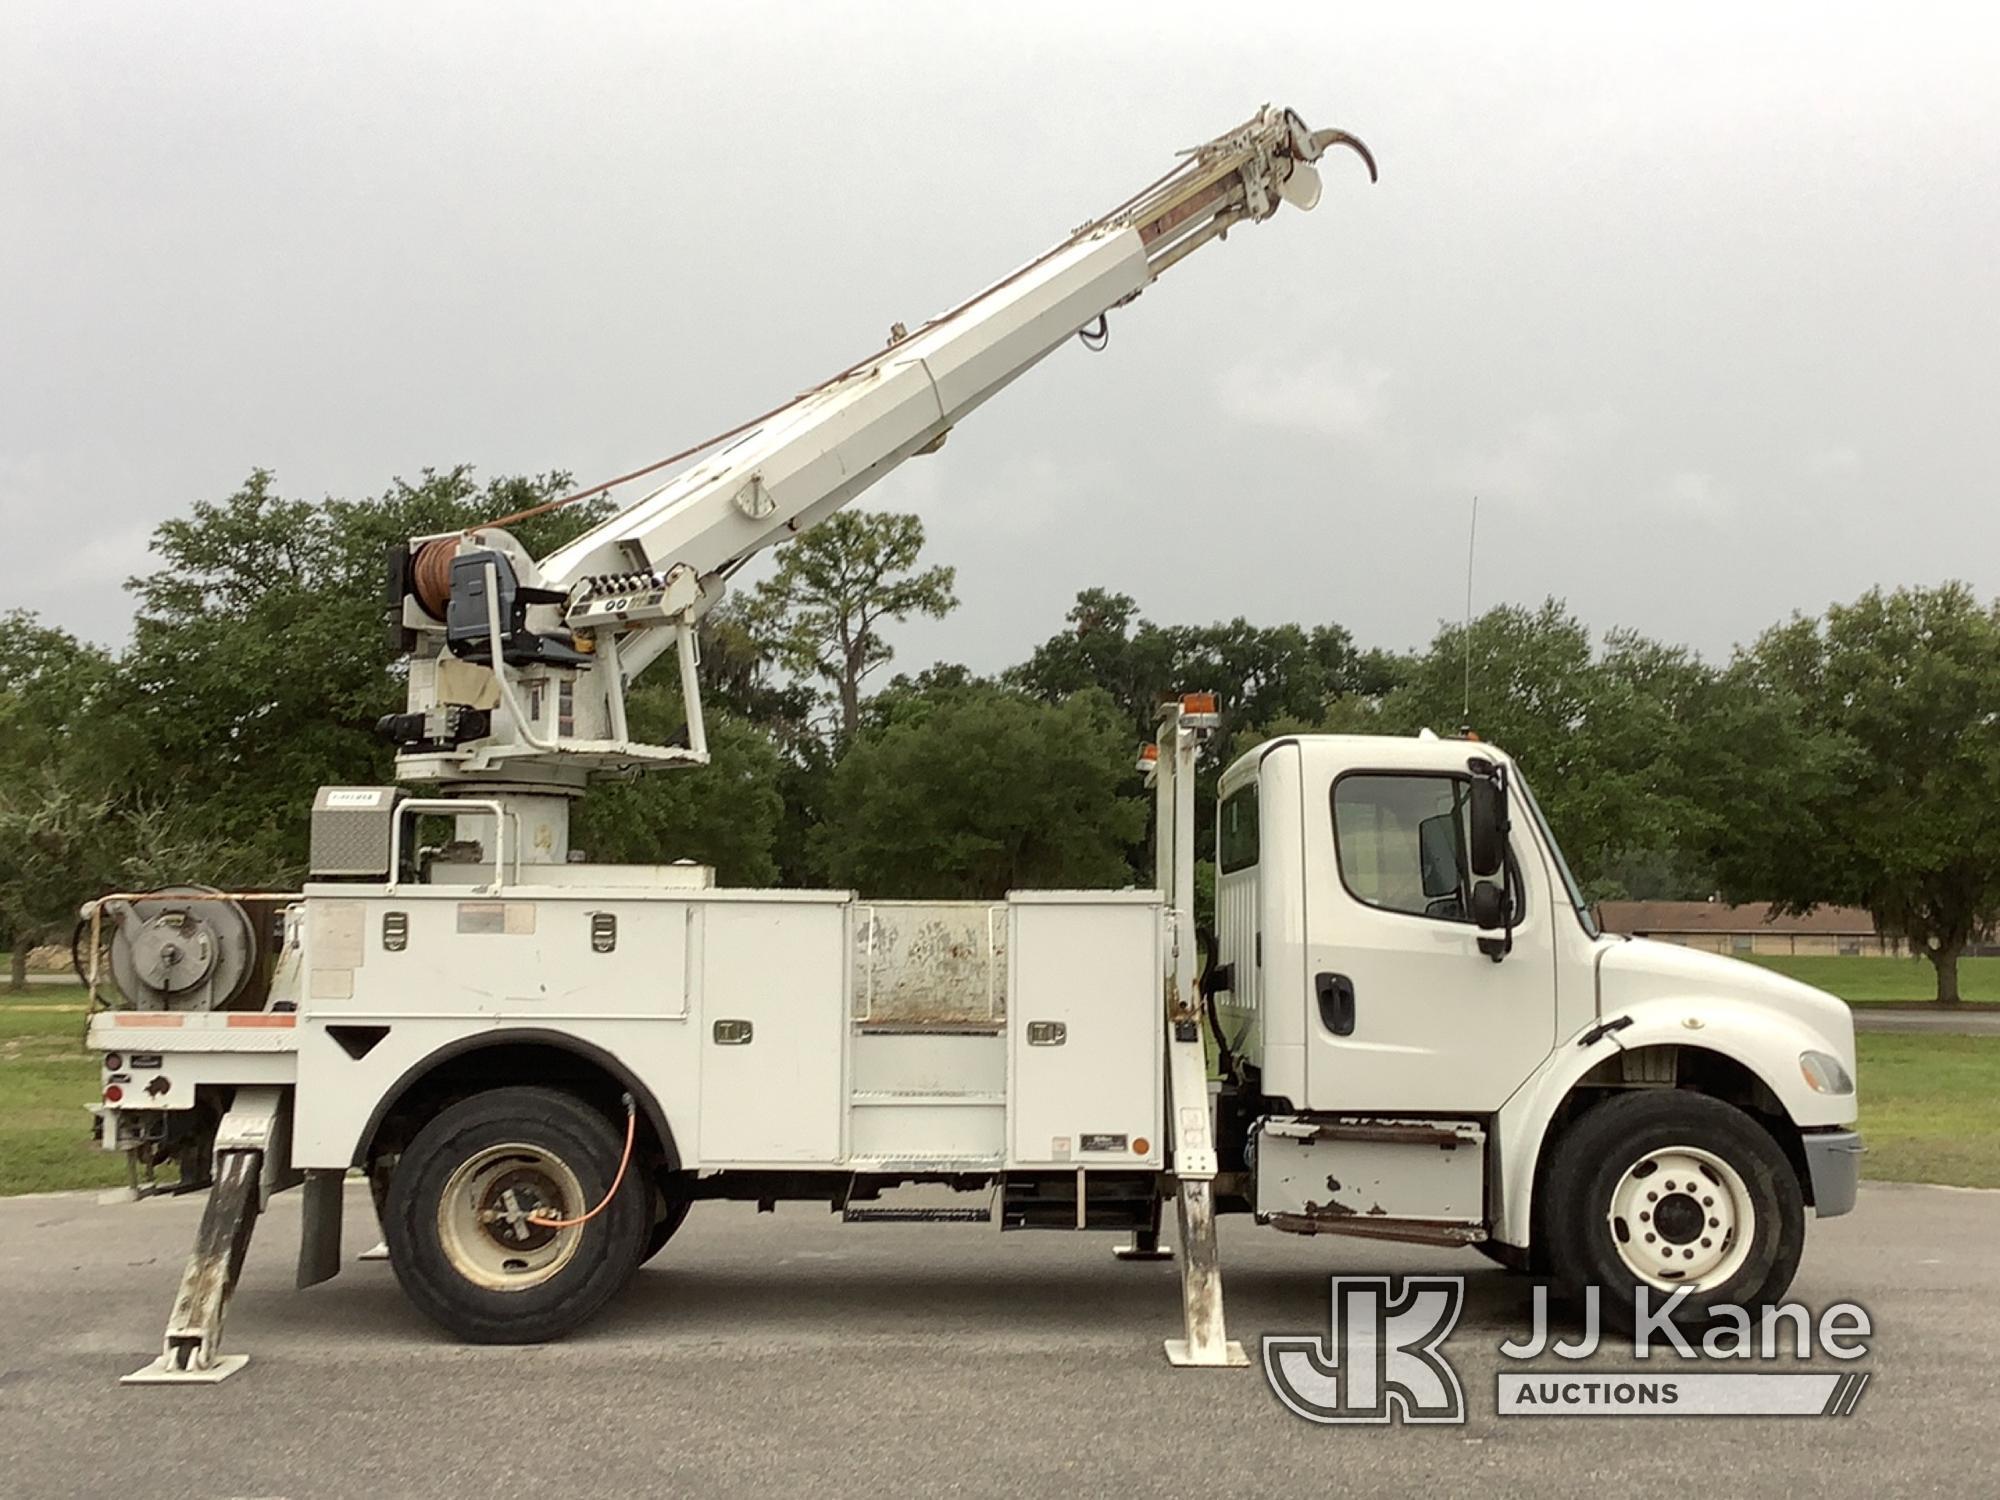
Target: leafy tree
x=978 y=791
x=736 y=676
x=1260 y=674
x=1865 y=765
x=1653 y=875
x=1599 y=734
x=55 y=735
x=727 y=813
x=823 y=610
x=903 y=690
x=259 y=662
x=51 y=856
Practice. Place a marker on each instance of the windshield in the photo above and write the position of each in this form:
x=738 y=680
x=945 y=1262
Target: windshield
x=1555 y=852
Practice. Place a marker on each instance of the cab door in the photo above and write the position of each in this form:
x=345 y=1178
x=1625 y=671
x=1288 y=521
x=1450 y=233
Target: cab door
x=1404 y=1011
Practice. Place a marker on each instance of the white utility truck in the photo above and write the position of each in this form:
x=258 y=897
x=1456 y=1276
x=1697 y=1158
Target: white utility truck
x=542 y=1064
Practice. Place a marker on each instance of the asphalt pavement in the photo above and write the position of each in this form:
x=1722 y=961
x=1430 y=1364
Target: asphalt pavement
x=787 y=1353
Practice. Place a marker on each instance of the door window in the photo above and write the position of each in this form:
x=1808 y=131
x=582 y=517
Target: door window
x=1403 y=841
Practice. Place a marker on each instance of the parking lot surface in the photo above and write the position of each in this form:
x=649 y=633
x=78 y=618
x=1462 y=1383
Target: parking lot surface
x=787 y=1353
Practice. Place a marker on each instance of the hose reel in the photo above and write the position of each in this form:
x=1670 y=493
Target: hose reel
x=183 y=948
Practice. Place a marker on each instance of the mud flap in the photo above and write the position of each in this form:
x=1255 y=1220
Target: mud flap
x=319 y=1227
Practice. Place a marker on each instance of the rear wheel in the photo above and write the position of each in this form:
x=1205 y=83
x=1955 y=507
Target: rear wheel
x=462 y=1211
x=1668 y=1190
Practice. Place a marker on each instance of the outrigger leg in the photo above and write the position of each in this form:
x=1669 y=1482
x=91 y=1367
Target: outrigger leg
x=1207 y=1342
x=192 y=1351
x=1192 y=1128
x=1190 y=1115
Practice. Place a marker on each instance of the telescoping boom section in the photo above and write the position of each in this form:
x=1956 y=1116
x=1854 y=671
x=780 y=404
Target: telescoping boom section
x=519 y=665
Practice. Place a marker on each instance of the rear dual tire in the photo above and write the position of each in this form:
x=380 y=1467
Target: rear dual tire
x=460 y=1210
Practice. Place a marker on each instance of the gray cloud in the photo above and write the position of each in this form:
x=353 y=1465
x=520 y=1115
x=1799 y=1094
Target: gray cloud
x=1702 y=303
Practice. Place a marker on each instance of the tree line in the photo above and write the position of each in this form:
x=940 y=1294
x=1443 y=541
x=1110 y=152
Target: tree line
x=1852 y=757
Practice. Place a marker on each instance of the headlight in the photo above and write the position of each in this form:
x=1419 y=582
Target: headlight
x=1824 y=1074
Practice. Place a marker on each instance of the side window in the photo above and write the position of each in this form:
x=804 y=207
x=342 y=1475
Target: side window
x=1402 y=843
x=1236 y=830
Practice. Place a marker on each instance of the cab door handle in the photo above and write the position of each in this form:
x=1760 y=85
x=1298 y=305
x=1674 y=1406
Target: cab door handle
x=1336 y=1003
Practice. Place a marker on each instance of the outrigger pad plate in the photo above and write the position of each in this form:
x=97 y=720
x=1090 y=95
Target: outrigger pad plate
x=160 y=1373
x=1233 y=1357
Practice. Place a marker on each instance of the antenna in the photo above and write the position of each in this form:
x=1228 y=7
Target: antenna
x=1471 y=546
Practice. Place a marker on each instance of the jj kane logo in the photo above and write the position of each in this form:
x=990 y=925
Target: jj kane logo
x=1383 y=1360
x=1385 y=1354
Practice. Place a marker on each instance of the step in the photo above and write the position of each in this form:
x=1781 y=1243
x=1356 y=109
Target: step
x=868 y=1213
x=927 y=1164
x=925 y=1098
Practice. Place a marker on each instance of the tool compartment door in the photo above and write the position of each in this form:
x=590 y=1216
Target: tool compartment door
x=773 y=1020
x=1084 y=1016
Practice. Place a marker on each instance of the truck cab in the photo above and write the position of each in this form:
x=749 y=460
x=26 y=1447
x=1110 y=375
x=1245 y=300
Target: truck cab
x=1407 y=976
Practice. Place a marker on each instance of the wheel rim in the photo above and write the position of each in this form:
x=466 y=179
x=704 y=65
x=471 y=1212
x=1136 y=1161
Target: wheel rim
x=1682 y=1217
x=484 y=1215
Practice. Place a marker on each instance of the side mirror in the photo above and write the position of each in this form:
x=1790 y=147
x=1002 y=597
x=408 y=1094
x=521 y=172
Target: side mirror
x=1489 y=906
x=1437 y=854
x=1487 y=816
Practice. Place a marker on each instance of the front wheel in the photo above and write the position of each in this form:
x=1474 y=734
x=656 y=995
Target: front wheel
x=1666 y=1190
x=463 y=1206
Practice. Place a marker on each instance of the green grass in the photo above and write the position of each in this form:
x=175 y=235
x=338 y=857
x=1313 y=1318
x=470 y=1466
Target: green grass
x=1876 y=981
x=46 y=1080
x=1930 y=1108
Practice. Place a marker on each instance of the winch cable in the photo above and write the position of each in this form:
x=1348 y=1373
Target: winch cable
x=631 y=1134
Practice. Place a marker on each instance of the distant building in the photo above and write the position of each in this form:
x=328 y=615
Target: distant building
x=1717 y=927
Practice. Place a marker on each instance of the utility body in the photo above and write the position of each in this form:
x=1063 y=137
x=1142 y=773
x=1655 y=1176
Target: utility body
x=1404 y=1025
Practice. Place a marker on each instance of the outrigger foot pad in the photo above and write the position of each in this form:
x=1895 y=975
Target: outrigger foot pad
x=160 y=1372
x=1184 y=1355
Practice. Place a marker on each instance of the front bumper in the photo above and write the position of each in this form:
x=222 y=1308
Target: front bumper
x=1833 y=1163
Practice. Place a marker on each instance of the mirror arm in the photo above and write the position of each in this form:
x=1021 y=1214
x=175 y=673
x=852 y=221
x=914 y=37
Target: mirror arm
x=1498 y=948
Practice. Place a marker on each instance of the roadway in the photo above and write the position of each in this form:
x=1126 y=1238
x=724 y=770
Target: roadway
x=788 y=1353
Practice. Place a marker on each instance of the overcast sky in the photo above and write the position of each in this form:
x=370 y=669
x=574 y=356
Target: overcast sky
x=1704 y=303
